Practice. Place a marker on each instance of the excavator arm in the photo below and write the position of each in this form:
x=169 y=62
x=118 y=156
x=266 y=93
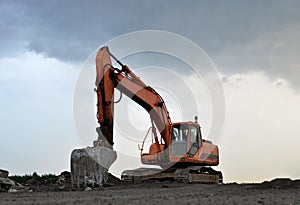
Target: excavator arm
x=108 y=78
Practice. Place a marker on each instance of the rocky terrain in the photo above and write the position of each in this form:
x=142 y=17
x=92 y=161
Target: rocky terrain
x=51 y=189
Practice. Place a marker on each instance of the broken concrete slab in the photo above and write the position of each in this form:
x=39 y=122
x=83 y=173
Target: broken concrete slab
x=19 y=188
x=6 y=183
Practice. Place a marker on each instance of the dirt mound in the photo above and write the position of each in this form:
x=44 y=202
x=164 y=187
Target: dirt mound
x=280 y=183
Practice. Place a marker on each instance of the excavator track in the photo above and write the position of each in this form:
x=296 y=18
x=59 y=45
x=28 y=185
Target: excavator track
x=200 y=175
x=192 y=175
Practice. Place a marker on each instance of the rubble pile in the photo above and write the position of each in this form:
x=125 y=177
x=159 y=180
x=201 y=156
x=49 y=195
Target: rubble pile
x=49 y=182
x=34 y=182
x=8 y=185
x=44 y=183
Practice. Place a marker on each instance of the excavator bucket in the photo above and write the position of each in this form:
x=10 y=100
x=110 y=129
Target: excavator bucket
x=89 y=166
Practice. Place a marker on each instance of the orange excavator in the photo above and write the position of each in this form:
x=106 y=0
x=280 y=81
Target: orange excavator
x=178 y=148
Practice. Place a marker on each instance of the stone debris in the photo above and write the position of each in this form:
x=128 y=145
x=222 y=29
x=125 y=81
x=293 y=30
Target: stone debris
x=9 y=185
x=19 y=188
x=88 y=189
x=6 y=184
x=7 y=181
x=61 y=182
x=11 y=190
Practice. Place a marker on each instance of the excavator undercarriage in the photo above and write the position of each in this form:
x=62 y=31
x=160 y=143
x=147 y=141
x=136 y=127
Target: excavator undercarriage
x=193 y=175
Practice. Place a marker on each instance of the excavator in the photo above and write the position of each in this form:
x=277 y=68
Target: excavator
x=177 y=148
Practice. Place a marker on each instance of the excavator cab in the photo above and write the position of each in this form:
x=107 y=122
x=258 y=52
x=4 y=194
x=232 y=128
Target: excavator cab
x=186 y=148
x=185 y=143
x=185 y=138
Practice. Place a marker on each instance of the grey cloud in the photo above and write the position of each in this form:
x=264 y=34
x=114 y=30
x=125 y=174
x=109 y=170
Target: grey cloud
x=71 y=27
x=226 y=30
x=276 y=53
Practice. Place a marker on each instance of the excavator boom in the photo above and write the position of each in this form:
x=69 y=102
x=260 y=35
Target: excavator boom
x=129 y=84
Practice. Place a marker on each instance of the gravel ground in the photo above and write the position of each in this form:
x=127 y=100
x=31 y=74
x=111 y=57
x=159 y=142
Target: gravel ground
x=279 y=191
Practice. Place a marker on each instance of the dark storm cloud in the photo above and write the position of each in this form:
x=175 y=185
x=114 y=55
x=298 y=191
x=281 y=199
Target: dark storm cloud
x=234 y=33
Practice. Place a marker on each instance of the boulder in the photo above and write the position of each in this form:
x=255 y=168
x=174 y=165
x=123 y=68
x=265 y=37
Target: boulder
x=3 y=173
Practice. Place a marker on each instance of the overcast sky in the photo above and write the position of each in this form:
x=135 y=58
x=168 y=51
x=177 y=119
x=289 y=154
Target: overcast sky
x=255 y=46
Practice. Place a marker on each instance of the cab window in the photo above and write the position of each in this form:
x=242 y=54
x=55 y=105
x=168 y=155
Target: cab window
x=195 y=136
x=180 y=133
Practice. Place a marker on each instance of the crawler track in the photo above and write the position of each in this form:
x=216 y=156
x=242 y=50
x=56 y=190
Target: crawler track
x=193 y=175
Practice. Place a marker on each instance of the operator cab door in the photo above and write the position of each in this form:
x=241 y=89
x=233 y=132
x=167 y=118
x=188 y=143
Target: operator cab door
x=195 y=140
x=185 y=139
